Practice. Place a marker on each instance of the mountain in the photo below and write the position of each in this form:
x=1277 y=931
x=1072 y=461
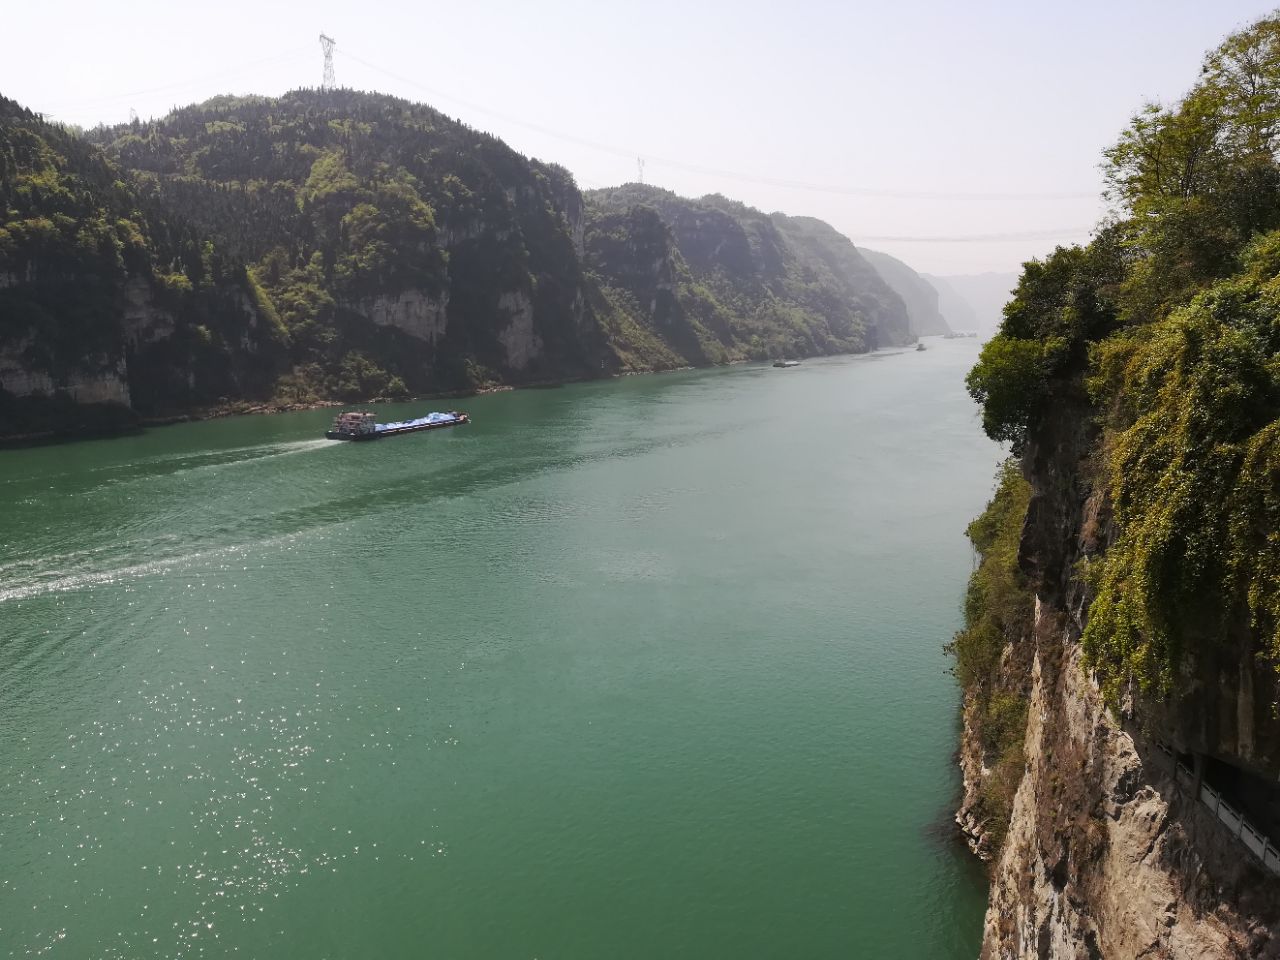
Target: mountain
x=921 y=299
x=712 y=280
x=981 y=294
x=109 y=301
x=955 y=309
x=405 y=252
x=343 y=245
x=832 y=256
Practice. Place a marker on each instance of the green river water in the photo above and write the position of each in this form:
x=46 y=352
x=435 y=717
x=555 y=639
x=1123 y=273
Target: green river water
x=632 y=669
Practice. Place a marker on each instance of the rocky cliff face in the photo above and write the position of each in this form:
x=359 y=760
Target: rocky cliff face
x=411 y=311
x=151 y=350
x=710 y=279
x=1108 y=853
x=335 y=244
x=110 y=306
x=101 y=379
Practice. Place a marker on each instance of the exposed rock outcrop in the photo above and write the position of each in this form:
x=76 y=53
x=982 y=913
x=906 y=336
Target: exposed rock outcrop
x=414 y=312
x=339 y=244
x=1108 y=853
x=521 y=344
x=98 y=380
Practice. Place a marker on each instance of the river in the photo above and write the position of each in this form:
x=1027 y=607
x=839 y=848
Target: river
x=642 y=668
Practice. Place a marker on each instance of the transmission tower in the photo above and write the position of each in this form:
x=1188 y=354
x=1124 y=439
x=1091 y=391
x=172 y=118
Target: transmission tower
x=327 y=44
x=640 y=164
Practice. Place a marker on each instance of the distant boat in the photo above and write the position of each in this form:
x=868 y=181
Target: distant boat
x=919 y=347
x=786 y=363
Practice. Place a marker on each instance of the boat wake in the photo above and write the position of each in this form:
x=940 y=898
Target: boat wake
x=184 y=464
x=64 y=580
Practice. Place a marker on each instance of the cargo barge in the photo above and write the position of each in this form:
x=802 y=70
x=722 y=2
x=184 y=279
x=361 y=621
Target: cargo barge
x=358 y=425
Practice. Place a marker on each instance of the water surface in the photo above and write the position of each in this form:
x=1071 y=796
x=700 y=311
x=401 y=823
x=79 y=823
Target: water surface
x=634 y=669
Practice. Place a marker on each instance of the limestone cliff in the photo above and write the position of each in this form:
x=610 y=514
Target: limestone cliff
x=1109 y=850
x=344 y=245
x=710 y=280
x=1121 y=650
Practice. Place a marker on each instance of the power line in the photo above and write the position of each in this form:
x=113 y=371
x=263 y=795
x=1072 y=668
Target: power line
x=710 y=171
x=233 y=71
x=1063 y=233
x=328 y=45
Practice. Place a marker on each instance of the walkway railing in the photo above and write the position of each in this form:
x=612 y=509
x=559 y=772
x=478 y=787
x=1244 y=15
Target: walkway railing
x=1254 y=839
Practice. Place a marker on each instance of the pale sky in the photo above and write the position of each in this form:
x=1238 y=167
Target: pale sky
x=899 y=122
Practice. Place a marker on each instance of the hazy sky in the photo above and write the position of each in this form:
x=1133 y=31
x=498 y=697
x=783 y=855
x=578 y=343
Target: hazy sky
x=908 y=119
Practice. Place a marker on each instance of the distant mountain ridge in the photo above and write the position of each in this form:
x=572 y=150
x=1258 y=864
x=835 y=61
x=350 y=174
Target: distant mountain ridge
x=920 y=297
x=713 y=279
x=955 y=309
x=344 y=245
x=982 y=295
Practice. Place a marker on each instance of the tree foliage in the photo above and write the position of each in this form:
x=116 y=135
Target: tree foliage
x=713 y=279
x=335 y=243
x=997 y=612
x=81 y=253
x=1172 y=317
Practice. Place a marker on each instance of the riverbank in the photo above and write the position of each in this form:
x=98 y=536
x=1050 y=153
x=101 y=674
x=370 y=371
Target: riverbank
x=102 y=421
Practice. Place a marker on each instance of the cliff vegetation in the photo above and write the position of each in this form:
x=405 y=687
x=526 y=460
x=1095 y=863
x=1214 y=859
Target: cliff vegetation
x=1137 y=382
x=1125 y=616
x=96 y=279
x=344 y=245
x=997 y=612
x=1171 y=319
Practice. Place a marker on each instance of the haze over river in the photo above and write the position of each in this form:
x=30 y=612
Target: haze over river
x=643 y=668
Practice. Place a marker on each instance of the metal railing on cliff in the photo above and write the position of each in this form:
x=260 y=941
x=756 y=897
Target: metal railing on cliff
x=1257 y=842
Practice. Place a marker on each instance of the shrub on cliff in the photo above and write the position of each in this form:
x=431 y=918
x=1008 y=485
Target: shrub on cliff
x=997 y=606
x=1193 y=479
x=997 y=611
x=1011 y=382
x=1060 y=305
x=1172 y=318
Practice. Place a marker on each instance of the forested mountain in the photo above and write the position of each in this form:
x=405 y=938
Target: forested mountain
x=108 y=298
x=336 y=244
x=404 y=251
x=712 y=279
x=1127 y=609
x=919 y=296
